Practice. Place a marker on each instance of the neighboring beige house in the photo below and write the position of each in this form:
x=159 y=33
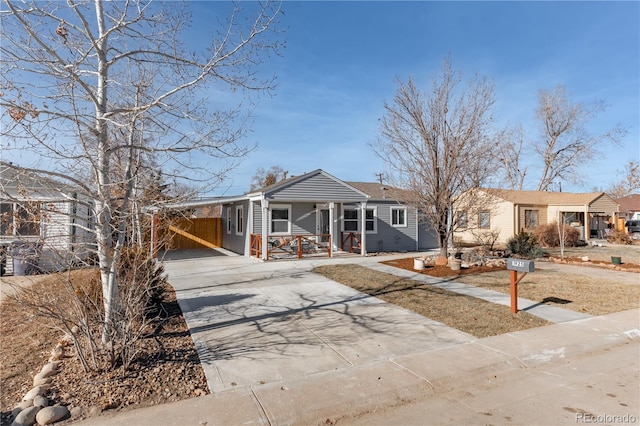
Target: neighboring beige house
x=513 y=211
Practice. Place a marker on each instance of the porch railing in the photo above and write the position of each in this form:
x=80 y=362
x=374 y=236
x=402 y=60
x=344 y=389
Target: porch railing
x=291 y=245
x=350 y=239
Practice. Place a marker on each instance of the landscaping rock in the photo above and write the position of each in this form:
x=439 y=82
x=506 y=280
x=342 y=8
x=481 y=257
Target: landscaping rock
x=40 y=401
x=50 y=367
x=20 y=407
x=50 y=415
x=42 y=381
x=37 y=390
x=26 y=417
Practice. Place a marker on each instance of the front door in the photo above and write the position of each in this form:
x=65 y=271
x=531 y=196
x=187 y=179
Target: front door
x=322 y=226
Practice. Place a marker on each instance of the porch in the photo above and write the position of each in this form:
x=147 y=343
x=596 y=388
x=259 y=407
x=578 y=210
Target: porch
x=303 y=245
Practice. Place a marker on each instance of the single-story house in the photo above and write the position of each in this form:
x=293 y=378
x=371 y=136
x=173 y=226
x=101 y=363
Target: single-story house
x=629 y=207
x=513 y=211
x=39 y=213
x=317 y=212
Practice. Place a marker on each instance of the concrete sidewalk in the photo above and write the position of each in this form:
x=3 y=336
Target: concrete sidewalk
x=281 y=345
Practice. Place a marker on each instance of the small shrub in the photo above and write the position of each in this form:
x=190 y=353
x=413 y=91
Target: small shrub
x=486 y=240
x=525 y=245
x=547 y=235
x=619 y=237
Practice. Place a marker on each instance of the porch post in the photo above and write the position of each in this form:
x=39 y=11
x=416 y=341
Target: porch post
x=265 y=228
x=363 y=227
x=248 y=230
x=332 y=237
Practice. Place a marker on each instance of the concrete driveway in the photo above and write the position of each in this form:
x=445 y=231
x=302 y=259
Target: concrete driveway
x=259 y=322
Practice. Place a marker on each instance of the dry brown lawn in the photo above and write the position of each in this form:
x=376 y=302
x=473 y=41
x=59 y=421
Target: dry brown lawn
x=469 y=314
x=581 y=293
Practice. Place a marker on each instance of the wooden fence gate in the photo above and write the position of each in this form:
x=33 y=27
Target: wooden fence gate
x=195 y=233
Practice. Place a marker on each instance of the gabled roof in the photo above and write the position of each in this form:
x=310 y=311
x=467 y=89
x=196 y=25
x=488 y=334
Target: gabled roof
x=285 y=185
x=630 y=203
x=545 y=197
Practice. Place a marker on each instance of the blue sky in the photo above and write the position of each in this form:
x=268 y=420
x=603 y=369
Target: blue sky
x=342 y=60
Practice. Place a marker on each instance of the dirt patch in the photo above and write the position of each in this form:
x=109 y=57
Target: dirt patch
x=167 y=369
x=469 y=314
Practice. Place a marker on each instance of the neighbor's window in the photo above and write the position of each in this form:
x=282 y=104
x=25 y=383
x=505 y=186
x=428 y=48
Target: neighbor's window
x=483 y=220
x=280 y=223
x=229 y=220
x=462 y=220
x=398 y=216
x=17 y=219
x=530 y=218
x=239 y=220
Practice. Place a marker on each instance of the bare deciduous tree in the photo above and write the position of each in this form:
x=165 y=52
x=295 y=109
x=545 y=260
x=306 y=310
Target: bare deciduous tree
x=630 y=182
x=566 y=144
x=87 y=85
x=264 y=177
x=509 y=143
x=436 y=146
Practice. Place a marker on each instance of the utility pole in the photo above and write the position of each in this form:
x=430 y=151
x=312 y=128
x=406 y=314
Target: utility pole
x=380 y=177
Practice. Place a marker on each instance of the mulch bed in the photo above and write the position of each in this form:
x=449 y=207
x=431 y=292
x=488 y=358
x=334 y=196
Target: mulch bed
x=441 y=271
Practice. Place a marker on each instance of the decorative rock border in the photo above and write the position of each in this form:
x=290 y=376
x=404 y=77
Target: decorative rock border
x=35 y=407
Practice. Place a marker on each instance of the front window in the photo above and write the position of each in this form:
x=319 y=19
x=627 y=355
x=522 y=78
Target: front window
x=351 y=220
x=229 y=220
x=239 y=220
x=399 y=216
x=280 y=223
x=483 y=220
x=530 y=218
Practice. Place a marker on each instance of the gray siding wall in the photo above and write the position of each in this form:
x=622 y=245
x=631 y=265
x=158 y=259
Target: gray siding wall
x=304 y=218
x=231 y=241
x=427 y=238
x=388 y=237
x=317 y=187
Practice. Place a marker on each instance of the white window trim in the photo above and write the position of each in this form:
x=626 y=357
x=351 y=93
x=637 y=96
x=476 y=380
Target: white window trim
x=406 y=219
x=239 y=220
x=375 y=219
x=229 y=220
x=358 y=220
x=279 y=207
